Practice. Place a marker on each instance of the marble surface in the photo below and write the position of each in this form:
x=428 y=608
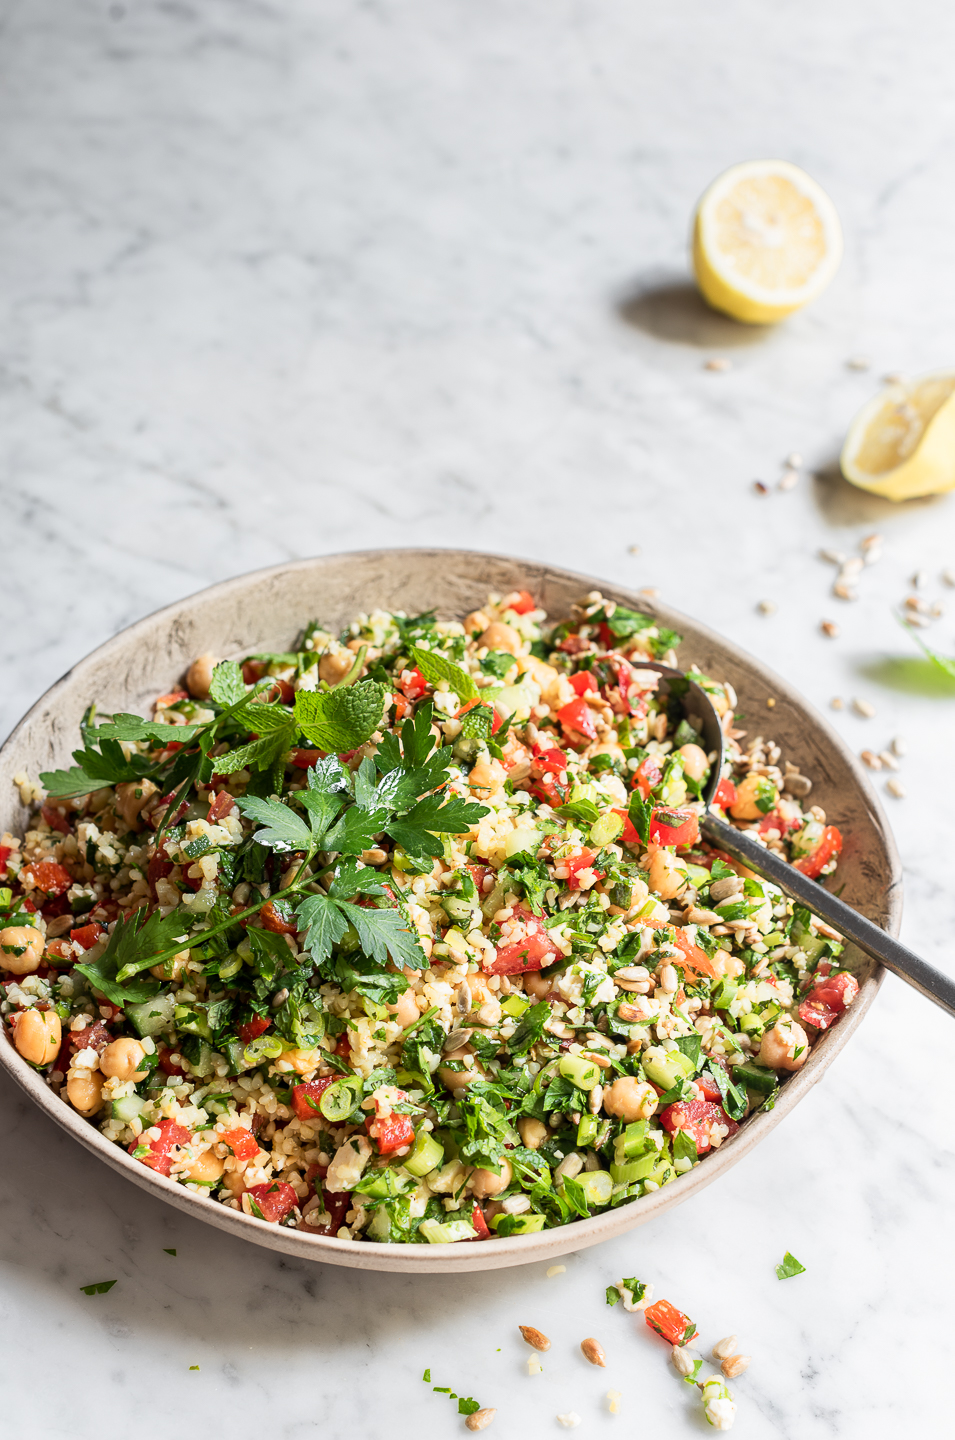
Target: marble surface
x=281 y=279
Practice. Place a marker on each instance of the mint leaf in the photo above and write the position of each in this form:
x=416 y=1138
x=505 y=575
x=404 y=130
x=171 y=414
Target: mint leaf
x=101 y=1288
x=436 y=667
x=262 y=717
x=227 y=686
x=477 y=723
x=386 y=934
x=258 y=754
x=468 y=1406
x=789 y=1267
x=340 y=719
x=324 y=925
x=132 y=947
x=284 y=830
x=134 y=727
x=624 y=623
x=640 y=812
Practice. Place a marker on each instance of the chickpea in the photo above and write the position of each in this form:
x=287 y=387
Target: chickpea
x=301 y=1061
x=84 y=1090
x=479 y=988
x=630 y=1099
x=122 y=1058
x=780 y=1044
x=38 y=1036
x=748 y=791
x=667 y=874
x=405 y=1012
x=607 y=747
x=486 y=777
x=533 y=1132
x=485 y=1184
x=199 y=676
x=334 y=666
x=173 y=969
x=537 y=984
x=24 y=939
x=500 y=636
x=460 y=1079
x=695 y=763
x=477 y=620
x=206 y=1168
x=131 y=796
x=234 y=1180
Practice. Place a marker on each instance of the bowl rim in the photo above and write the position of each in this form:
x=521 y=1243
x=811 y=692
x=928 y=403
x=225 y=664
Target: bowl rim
x=514 y=1250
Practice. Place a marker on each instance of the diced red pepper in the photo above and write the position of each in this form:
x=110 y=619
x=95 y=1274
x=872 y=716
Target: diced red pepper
x=585 y=680
x=343 y=1045
x=241 y=1142
x=725 y=794
x=685 y=830
x=172 y=698
x=47 y=876
x=273 y=1201
x=775 y=821
x=277 y=917
x=577 y=720
x=305 y=1097
x=5 y=852
x=58 y=950
x=252 y=1029
x=647 y=776
x=55 y=819
x=392 y=1133
x=521 y=603
x=695 y=957
x=696 y=1117
x=547 y=768
x=400 y=707
x=222 y=805
x=576 y=865
x=829 y=847
x=159 y=868
x=496 y=721
x=305 y=759
x=532 y=951
x=337 y=1204
x=412 y=683
x=675 y=1327
x=87 y=935
x=629 y=836
x=828 y=999
x=158 y=1156
x=479 y=1223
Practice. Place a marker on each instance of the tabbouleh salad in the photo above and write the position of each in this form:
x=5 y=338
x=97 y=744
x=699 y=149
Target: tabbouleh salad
x=408 y=935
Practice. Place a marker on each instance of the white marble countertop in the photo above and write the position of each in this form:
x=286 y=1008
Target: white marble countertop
x=285 y=279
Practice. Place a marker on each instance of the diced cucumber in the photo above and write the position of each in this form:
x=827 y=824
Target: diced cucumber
x=525 y=839
x=151 y=1016
x=755 y=1077
x=522 y=1224
x=379 y=1227
x=667 y=1067
x=597 y=1186
x=128 y=1108
x=515 y=700
x=605 y=830
x=456 y=907
x=515 y=1005
x=698 y=876
x=579 y=1071
x=426 y=1155
x=448 y=1232
x=759 y=1020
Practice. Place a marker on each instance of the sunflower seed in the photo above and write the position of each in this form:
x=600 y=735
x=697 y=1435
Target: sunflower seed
x=896 y=788
x=718 y=362
x=835 y=557
x=863 y=708
x=462 y=999
x=830 y=628
x=534 y=1337
x=456 y=1040
x=858 y=362
x=899 y=746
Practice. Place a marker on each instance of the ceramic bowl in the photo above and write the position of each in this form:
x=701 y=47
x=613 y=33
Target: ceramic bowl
x=264 y=611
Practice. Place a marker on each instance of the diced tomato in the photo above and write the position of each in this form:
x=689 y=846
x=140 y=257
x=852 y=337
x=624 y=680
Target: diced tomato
x=305 y=759
x=280 y=690
x=675 y=1327
x=828 y=999
x=532 y=950
x=629 y=836
x=277 y=917
x=47 y=876
x=575 y=644
x=775 y=821
x=241 y=1142
x=58 y=951
x=55 y=819
x=479 y=1223
x=829 y=847
x=159 y=868
x=221 y=806
x=400 y=706
x=479 y=874
x=172 y=698
x=87 y=935
x=577 y=720
x=695 y=957
x=166 y=1063
x=343 y=1045
x=305 y=1097
x=253 y=670
x=725 y=794
x=709 y=1088
x=252 y=1029
x=696 y=1117
x=273 y=1201
x=647 y=776
x=685 y=830
x=576 y=865
x=315 y=1172
x=337 y=1204
x=521 y=603
x=158 y=1156
x=547 y=768
x=412 y=683
x=585 y=680
x=392 y=1132
x=5 y=852
x=496 y=721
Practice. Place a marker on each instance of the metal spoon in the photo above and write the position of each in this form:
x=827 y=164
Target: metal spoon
x=699 y=711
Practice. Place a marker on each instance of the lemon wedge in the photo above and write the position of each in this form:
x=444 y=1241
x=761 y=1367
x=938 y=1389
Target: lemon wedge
x=766 y=239
x=902 y=444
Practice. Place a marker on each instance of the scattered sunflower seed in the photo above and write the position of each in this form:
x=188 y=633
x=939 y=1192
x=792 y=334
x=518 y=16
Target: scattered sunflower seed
x=633 y=549
x=858 y=362
x=843 y=591
x=896 y=788
x=835 y=557
x=888 y=760
x=870 y=758
x=864 y=708
x=724 y=1347
x=919 y=579
x=869 y=542
x=534 y=1338
x=766 y=607
x=851 y=569
x=594 y=1351
x=760 y=488
x=734 y=1365
x=893 y=378
x=794 y=461
x=948 y=576
x=937 y=611
x=830 y=628
x=683 y=1360
x=837 y=703
x=788 y=479
x=481 y=1419
x=899 y=746
x=718 y=362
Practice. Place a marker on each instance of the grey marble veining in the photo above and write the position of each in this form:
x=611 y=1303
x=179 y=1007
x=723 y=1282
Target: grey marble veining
x=286 y=279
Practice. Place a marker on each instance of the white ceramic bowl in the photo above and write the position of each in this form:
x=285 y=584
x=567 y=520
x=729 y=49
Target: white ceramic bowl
x=264 y=611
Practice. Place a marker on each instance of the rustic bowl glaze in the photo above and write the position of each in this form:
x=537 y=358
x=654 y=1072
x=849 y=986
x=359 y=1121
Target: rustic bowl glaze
x=265 y=610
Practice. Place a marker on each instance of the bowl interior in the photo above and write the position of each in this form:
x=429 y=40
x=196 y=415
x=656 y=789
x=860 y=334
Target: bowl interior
x=265 y=610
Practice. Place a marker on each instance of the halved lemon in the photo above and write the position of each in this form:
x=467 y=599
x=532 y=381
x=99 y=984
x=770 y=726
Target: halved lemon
x=902 y=444
x=766 y=239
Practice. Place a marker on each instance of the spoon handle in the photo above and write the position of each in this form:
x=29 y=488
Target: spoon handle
x=931 y=983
